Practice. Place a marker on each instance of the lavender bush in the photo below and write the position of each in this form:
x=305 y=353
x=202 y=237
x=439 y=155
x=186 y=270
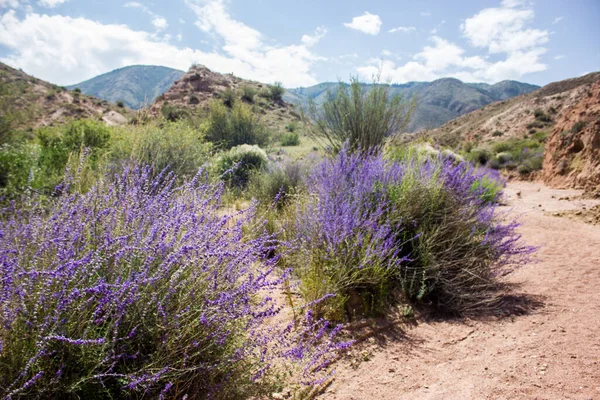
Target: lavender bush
x=143 y=288
x=427 y=227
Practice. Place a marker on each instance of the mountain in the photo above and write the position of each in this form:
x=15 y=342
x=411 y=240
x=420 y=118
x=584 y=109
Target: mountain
x=437 y=102
x=135 y=86
x=28 y=102
x=516 y=116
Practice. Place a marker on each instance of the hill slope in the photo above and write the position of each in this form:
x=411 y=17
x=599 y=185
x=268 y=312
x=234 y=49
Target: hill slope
x=135 y=85
x=437 y=102
x=199 y=86
x=28 y=102
x=515 y=117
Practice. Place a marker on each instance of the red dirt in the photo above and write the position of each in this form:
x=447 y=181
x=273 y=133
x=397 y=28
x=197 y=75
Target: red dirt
x=551 y=352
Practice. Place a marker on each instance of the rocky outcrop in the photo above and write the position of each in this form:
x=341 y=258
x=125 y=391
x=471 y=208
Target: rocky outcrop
x=572 y=157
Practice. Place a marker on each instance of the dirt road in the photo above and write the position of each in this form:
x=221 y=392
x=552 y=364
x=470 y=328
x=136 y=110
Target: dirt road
x=551 y=352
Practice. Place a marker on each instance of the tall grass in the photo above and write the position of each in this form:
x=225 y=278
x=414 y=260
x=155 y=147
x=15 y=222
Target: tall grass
x=362 y=115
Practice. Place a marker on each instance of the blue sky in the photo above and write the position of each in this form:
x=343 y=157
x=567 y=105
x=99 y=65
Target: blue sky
x=301 y=43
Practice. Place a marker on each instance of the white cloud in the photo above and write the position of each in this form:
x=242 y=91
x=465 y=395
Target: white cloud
x=181 y=21
x=559 y=57
x=309 y=40
x=403 y=29
x=512 y=3
x=425 y=14
x=159 y=23
x=386 y=53
x=367 y=23
x=10 y=3
x=557 y=20
x=446 y=59
x=262 y=61
x=179 y=37
x=66 y=50
x=51 y=3
x=502 y=30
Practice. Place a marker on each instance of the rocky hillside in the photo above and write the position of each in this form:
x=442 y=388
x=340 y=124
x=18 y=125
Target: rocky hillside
x=28 y=102
x=199 y=86
x=437 y=102
x=572 y=157
x=135 y=86
x=537 y=111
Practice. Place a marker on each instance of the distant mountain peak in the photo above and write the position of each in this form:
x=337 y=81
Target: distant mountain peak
x=134 y=85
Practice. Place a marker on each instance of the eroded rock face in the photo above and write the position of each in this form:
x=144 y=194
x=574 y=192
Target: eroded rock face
x=572 y=158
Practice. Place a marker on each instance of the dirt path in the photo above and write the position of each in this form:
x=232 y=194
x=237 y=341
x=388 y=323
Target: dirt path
x=552 y=352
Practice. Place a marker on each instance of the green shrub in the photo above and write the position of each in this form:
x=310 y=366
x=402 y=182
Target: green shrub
x=229 y=97
x=233 y=127
x=497 y=133
x=177 y=145
x=236 y=165
x=488 y=190
x=479 y=156
x=578 y=126
x=248 y=93
x=173 y=113
x=277 y=181
x=120 y=104
x=17 y=166
x=276 y=92
x=59 y=144
x=362 y=116
x=290 y=139
x=292 y=126
x=541 y=116
x=534 y=162
x=523 y=169
x=77 y=90
x=536 y=124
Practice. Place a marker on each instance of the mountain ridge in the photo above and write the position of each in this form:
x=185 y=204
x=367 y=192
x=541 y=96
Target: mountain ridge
x=437 y=102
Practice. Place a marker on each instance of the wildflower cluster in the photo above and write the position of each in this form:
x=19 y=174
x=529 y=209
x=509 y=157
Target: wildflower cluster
x=142 y=288
x=427 y=226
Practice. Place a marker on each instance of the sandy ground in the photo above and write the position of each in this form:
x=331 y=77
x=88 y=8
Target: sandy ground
x=550 y=352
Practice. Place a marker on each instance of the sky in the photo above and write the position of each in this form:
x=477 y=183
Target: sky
x=304 y=42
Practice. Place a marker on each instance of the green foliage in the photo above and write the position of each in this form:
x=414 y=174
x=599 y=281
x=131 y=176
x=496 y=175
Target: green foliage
x=541 y=116
x=233 y=127
x=77 y=90
x=229 y=97
x=237 y=165
x=278 y=180
x=177 y=145
x=173 y=113
x=120 y=104
x=276 y=92
x=363 y=117
x=248 y=93
x=497 y=134
x=17 y=165
x=578 y=126
x=479 y=156
x=59 y=144
x=489 y=190
x=290 y=139
x=292 y=126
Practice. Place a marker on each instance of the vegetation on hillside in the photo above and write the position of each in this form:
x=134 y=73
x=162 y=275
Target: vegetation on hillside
x=126 y=274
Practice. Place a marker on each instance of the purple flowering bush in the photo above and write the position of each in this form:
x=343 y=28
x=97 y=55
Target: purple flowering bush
x=426 y=228
x=141 y=287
